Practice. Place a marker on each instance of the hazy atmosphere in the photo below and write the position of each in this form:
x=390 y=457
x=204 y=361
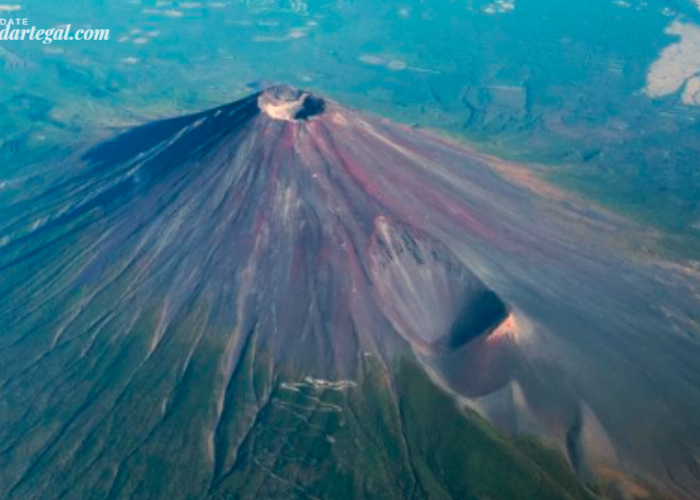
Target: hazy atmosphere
x=351 y=249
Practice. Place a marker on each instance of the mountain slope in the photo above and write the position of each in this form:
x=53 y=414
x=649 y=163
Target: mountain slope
x=226 y=303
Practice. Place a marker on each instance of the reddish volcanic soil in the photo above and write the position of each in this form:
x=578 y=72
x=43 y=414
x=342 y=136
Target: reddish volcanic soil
x=329 y=235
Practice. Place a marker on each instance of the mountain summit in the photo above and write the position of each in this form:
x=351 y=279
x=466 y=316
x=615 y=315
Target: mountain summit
x=282 y=297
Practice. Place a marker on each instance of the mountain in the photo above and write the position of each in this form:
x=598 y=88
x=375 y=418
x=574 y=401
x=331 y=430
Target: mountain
x=284 y=298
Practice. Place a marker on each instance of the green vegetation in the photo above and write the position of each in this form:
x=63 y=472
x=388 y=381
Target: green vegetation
x=385 y=439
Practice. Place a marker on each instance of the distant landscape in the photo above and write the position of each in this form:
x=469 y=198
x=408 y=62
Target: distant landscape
x=348 y=249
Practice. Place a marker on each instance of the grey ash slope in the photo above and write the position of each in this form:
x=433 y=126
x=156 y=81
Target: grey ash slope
x=235 y=304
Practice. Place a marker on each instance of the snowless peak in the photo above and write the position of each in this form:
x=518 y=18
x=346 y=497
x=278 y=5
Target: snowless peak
x=289 y=104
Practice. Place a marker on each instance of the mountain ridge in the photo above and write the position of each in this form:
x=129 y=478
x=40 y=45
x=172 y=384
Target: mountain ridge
x=324 y=238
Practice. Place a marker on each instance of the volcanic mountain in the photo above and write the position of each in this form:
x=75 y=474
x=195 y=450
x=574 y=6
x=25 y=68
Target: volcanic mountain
x=283 y=298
